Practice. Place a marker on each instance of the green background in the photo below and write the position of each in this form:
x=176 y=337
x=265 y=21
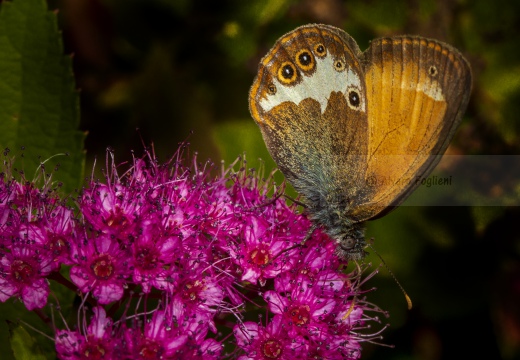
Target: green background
x=180 y=70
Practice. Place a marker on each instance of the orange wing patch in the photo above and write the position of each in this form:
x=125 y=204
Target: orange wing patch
x=412 y=88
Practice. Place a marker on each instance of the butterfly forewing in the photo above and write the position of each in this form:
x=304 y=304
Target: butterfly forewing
x=318 y=140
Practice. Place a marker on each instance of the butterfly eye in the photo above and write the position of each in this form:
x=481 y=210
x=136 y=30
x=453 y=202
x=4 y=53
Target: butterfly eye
x=271 y=89
x=320 y=50
x=348 y=243
x=287 y=73
x=305 y=60
x=354 y=99
x=432 y=71
x=339 y=65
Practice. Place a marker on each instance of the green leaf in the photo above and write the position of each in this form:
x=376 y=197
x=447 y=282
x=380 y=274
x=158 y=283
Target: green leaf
x=24 y=345
x=39 y=105
x=5 y=340
x=13 y=312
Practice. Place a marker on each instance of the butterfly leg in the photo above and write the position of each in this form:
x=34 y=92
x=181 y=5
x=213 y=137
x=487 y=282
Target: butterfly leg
x=302 y=243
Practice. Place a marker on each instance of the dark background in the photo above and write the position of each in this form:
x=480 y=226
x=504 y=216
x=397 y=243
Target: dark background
x=171 y=67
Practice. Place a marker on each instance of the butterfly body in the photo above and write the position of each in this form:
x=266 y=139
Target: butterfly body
x=352 y=131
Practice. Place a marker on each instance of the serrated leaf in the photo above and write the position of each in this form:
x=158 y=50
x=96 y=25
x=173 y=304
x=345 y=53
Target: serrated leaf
x=39 y=105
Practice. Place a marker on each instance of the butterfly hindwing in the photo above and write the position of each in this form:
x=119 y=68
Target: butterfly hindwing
x=414 y=88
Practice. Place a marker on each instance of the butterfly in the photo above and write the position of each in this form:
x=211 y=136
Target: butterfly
x=352 y=131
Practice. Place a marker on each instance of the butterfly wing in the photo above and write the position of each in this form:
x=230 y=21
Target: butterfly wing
x=300 y=100
x=417 y=91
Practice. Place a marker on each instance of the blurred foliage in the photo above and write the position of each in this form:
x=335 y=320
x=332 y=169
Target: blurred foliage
x=173 y=67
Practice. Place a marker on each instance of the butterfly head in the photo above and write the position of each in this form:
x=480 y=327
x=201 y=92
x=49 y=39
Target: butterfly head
x=351 y=247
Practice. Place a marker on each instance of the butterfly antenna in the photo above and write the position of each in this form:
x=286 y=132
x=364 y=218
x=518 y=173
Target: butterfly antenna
x=408 y=300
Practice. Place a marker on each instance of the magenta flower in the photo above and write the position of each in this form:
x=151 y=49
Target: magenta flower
x=53 y=234
x=93 y=342
x=23 y=275
x=160 y=338
x=152 y=255
x=112 y=209
x=26 y=257
x=101 y=268
x=171 y=258
x=270 y=342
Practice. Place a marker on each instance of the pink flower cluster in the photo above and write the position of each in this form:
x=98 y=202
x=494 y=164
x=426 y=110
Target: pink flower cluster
x=211 y=266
